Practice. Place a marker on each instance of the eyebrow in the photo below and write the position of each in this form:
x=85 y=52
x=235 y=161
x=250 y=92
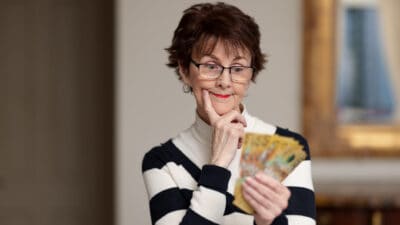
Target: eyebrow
x=217 y=59
x=239 y=57
x=211 y=56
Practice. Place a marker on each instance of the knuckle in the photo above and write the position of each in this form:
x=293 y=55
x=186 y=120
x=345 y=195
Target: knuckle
x=283 y=205
x=280 y=211
x=226 y=128
x=275 y=185
x=288 y=193
x=231 y=132
x=276 y=211
x=284 y=191
x=239 y=128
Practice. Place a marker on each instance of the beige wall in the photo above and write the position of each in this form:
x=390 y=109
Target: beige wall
x=151 y=106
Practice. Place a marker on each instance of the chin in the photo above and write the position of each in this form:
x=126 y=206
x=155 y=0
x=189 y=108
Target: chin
x=222 y=109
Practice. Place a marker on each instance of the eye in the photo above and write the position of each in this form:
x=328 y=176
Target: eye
x=237 y=69
x=210 y=66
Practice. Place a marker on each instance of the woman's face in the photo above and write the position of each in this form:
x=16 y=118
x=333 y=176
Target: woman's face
x=225 y=95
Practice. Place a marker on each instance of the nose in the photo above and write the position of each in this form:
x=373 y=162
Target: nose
x=224 y=80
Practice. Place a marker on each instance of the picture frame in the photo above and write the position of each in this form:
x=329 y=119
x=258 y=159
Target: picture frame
x=326 y=136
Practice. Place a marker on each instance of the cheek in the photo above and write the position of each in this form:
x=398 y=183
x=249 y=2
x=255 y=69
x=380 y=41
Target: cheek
x=198 y=97
x=198 y=86
x=241 y=91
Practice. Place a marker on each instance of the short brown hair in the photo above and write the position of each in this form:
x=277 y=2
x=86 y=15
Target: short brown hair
x=205 y=23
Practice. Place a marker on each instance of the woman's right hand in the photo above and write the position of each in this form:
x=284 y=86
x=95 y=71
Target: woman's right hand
x=227 y=135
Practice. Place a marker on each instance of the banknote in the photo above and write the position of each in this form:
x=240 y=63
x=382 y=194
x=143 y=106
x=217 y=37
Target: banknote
x=275 y=155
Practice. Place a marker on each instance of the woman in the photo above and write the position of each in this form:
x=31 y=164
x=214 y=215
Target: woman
x=190 y=178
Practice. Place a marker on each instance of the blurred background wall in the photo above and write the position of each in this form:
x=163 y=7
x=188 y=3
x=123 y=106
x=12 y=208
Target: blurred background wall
x=56 y=112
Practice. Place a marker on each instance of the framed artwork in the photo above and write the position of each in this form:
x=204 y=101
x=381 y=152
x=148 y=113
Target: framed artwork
x=351 y=77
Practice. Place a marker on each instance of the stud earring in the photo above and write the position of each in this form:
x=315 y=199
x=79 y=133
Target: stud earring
x=186 y=88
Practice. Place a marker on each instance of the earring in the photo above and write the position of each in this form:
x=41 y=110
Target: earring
x=186 y=88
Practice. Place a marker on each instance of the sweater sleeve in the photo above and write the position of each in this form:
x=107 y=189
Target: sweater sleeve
x=170 y=204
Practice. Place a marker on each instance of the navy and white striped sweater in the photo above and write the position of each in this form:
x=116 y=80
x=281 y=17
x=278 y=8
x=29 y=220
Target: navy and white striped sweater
x=184 y=188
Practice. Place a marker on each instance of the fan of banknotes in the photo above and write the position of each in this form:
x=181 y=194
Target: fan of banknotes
x=276 y=155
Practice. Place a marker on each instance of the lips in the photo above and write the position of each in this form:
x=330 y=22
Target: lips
x=221 y=95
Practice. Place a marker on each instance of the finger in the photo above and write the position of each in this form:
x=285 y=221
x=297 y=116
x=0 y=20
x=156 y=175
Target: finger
x=261 y=206
x=280 y=197
x=240 y=133
x=260 y=199
x=212 y=114
x=233 y=117
x=262 y=189
x=238 y=127
x=272 y=183
x=251 y=201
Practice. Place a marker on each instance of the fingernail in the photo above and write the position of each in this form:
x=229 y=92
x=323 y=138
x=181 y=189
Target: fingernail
x=249 y=179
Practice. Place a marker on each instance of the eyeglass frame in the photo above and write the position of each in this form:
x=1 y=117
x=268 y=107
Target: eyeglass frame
x=223 y=69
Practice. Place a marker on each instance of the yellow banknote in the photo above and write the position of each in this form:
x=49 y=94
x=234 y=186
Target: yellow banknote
x=275 y=155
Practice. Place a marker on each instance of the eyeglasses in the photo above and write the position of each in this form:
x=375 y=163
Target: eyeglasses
x=211 y=71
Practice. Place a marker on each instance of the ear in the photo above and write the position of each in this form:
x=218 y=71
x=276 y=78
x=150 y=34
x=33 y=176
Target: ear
x=184 y=74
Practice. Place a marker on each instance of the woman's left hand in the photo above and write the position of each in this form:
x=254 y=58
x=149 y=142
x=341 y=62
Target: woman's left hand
x=267 y=196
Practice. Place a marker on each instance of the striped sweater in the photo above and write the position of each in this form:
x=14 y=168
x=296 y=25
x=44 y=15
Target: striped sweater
x=183 y=188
